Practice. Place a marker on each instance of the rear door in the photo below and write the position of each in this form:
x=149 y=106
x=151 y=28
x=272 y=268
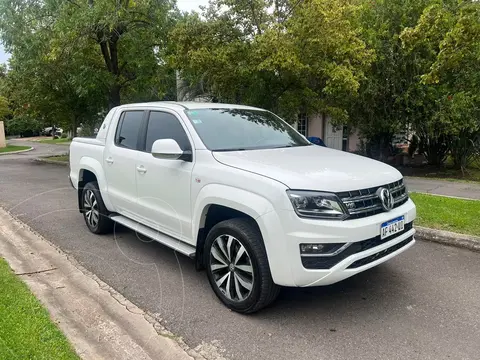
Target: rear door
x=120 y=160
x=164 y=186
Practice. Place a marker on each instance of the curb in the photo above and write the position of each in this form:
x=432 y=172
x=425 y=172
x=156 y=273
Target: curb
x=127 y=331
x=448 y=238
x=17 y=152
x=445 y=196
x=54 y=162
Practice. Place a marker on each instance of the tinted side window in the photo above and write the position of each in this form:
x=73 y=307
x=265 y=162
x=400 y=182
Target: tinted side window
x=128 y=129
x=165 y=126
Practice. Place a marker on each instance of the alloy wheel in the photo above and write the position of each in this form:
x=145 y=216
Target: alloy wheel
x=90 y=207
x=231 y=268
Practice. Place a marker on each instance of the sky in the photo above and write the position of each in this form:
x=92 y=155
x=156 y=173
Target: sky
x=185 y=5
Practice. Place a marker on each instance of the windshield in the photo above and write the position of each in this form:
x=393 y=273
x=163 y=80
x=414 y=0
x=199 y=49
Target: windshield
x=241 y=129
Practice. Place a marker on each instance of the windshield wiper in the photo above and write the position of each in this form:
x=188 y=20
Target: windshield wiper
x=266 y=147
x=281 y=146
x=232 y=149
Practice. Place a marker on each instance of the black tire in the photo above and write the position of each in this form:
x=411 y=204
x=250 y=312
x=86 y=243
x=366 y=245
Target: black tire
x=263 y=291
x=104 y=224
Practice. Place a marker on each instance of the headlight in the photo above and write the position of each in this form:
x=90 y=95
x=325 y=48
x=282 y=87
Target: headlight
x=318 y=205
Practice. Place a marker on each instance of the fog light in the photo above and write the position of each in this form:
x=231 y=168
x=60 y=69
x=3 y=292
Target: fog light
x=330 y=249
x=311 y=248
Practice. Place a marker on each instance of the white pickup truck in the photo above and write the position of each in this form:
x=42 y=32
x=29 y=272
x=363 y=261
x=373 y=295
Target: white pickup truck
x=244 y=194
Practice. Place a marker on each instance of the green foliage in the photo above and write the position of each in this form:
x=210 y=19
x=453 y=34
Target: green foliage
x=380 y=109
x=378 y=66
x=74 y=59
x=4 y=108
x=446 y=44
x=418 y=78
x=23 y=125
x=301 y=56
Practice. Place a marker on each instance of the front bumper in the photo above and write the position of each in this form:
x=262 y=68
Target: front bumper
x=284 y=231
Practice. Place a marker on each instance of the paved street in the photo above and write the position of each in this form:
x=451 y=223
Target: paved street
x=423 y=304
x=468 y=190
x=39 y=150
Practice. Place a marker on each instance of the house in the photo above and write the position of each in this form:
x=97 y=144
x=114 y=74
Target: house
x=334 y=137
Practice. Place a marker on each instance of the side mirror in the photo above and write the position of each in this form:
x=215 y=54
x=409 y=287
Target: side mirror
x=168 y=149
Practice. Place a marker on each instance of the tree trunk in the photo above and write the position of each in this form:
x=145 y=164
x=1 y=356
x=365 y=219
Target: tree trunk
x=114 y=97
x=110 y=56
x=74 y=126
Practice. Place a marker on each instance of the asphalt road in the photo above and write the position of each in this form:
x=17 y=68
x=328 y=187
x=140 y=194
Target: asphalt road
x=39 y=150
x=424 y=304
x=467 y=190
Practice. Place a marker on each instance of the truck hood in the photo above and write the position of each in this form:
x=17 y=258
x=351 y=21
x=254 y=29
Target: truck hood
x=312 y=168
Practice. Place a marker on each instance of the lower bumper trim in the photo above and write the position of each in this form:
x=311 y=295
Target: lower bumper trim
x=380 y=254
x=324 y=263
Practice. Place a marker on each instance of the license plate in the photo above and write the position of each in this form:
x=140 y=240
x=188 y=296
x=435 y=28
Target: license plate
x=392 y=227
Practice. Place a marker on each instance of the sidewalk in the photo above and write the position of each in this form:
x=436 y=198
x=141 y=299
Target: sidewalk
x=98 y=321
x=458 y=189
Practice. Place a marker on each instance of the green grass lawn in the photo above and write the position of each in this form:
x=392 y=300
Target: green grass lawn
x=58 y=141
x=59 y=158
x=11 y=148
x=26 y=331
x=438 y=212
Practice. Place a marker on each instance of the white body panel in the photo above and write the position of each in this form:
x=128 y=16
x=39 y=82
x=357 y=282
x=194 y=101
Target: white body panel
x=173 y=196
x=313 y=168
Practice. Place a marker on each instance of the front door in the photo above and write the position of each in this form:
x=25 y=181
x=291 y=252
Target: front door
x=164 y=186
x=333 y=135
x=119 y=162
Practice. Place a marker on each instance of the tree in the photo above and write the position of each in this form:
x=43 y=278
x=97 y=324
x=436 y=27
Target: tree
x=4 y=109
x=4 y=103
x=73 y=59
x=380 y=110
x=446 y=44
x=287 y=56
x=129 y=35
x=23 y=125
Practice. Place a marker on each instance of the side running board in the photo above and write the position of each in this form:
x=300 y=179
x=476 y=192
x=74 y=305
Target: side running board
x=164 y=239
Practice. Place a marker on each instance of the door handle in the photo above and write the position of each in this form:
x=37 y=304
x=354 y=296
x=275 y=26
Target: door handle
x=109 y=160
x=141 y=169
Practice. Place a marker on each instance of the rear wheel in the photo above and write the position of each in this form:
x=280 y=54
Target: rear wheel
x=237 y=266
x=94 y=211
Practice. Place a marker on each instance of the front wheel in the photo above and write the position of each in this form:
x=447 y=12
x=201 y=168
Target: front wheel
x=237 y=266
x=94 y=210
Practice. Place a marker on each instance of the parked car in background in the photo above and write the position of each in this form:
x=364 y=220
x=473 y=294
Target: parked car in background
x=82 y=131
x=48 y=131
x=317 y=141
x=244 y=194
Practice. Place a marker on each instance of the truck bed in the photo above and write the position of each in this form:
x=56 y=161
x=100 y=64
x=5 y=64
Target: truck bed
x=84 y=149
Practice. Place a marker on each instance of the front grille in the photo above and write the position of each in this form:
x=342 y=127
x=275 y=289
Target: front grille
x=365 y=202
x=321 y=262
x=381 y=254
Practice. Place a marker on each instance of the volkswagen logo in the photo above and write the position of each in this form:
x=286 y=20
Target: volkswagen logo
x=386 y=198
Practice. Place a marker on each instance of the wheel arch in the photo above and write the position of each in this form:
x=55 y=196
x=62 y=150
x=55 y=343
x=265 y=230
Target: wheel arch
x=91 y=170
x=217 y=203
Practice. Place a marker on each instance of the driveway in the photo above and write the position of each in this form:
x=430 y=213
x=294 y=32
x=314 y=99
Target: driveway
x=39 y=150
x=424 y=304
x=467 y=190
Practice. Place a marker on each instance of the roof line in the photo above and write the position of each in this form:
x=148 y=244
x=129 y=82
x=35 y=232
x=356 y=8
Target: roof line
x=176 y=103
